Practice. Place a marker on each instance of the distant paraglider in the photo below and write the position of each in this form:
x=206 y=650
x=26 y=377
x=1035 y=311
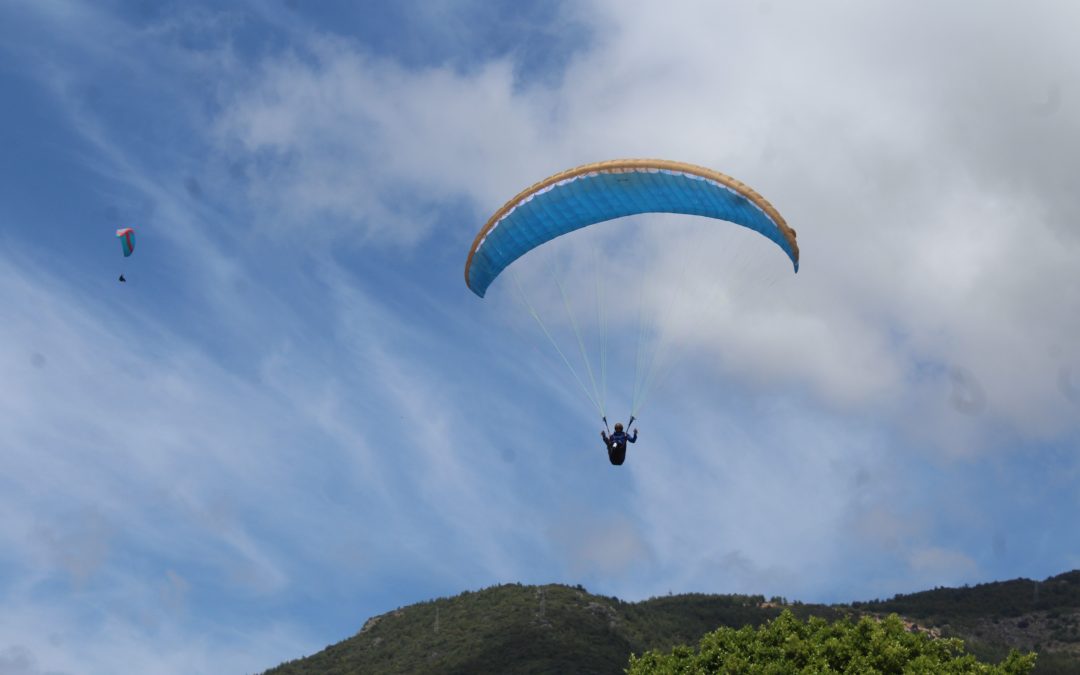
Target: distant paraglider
x=126 y=236
x=127 y=240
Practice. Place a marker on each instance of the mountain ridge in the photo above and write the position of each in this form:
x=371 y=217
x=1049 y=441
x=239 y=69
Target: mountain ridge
x=555 y=628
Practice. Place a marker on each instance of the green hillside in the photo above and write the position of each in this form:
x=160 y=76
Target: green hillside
x=1043 y=616
x=515 y=629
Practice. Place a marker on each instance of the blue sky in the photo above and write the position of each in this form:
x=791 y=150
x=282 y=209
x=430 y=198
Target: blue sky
x=295 y=416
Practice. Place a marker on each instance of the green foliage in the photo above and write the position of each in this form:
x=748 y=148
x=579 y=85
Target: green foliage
x=788 y=645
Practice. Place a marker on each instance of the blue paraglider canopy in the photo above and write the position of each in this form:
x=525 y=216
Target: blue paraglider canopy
x=603 y=191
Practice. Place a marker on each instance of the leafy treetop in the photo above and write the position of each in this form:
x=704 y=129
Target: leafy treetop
x=788 y=645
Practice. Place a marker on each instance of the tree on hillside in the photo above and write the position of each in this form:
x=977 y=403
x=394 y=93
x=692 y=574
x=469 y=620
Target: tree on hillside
x=788 y=645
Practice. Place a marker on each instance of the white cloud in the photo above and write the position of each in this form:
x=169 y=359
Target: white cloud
x=591 y=545
x=44 y=639
x=146 y=478
x=935 y=566
x=355 y=145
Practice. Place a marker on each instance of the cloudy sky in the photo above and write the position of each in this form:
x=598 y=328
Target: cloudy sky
x=294 y=415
